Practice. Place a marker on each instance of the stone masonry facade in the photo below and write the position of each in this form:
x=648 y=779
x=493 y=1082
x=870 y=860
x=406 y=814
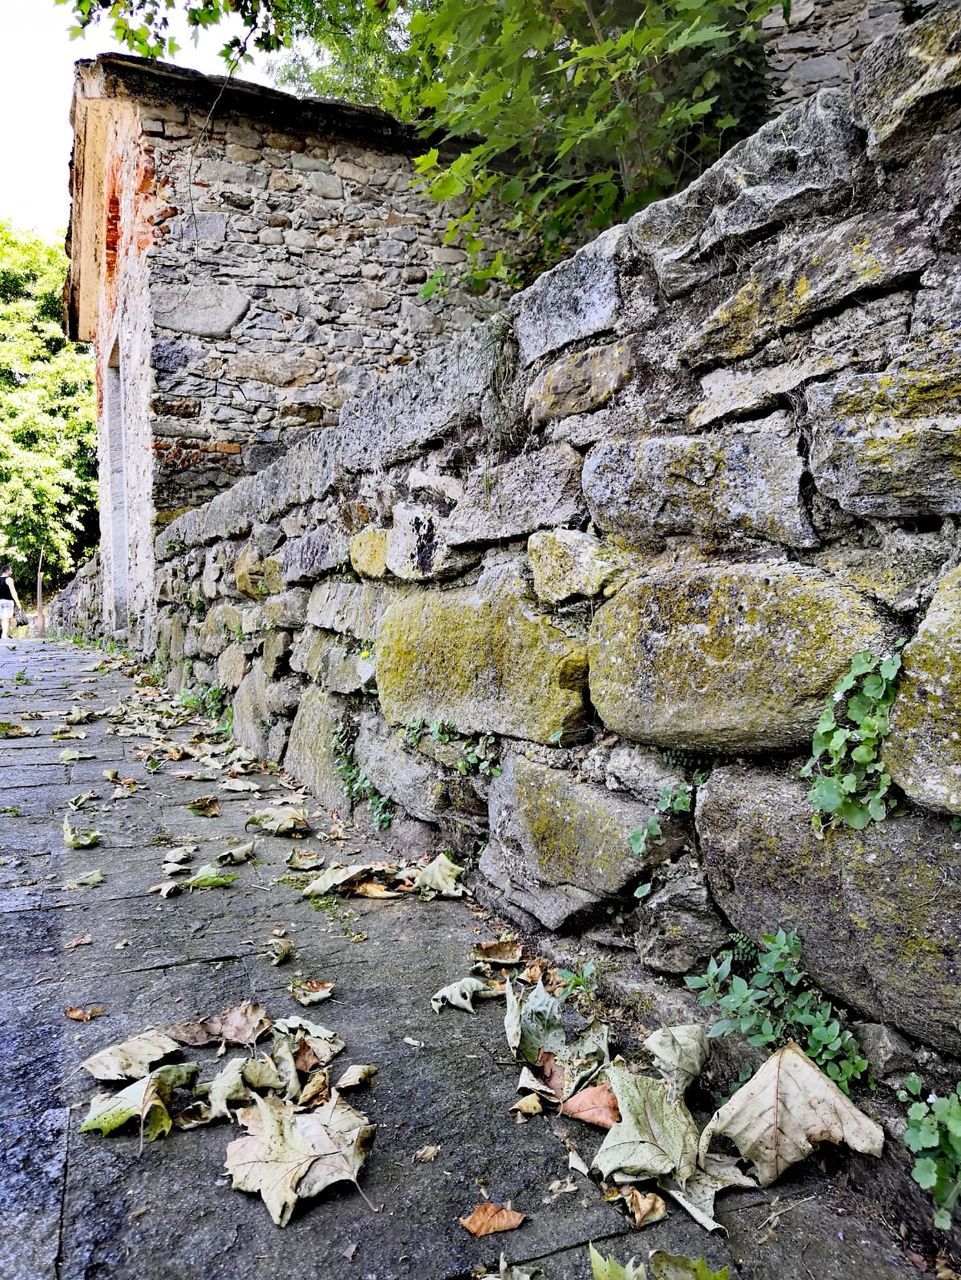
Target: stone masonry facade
x=632 y=531
x=260 y=259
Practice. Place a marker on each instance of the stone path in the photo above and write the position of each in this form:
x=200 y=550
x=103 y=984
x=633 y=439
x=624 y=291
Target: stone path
x=81 y=1207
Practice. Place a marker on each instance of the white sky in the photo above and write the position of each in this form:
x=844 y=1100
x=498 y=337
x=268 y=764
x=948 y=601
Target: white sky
x=36 y=79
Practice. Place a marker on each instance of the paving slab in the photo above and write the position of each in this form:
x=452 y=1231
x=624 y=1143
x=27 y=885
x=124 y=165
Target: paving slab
x=78 y=1207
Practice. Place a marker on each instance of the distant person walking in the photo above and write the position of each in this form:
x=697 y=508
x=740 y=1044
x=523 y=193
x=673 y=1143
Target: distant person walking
x=9 y=600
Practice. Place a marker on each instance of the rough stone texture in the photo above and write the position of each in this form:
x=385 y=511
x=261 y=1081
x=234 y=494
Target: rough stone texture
x=900 y=570
x=887 y=1052
x=678 y=926
x=577 y=299
x=310 y=755
x=923 y=750
x=210 y=310
x=736 y=659
x=560 y=847
x=567 y=563
x=483 y=659
x=404 y=775
x=353 y=608
x=517 y=497
x=578 y=383
x=368 y=552
x=907 y=83
x=889 y=444
x=313 y=554
x=257 y=703
x=794 y=167
x=740 y=481
x=809 y=277
x=878 y=911
x=418 y=545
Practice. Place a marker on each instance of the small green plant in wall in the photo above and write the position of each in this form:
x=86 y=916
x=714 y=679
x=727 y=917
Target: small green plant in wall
x=672 y=800
x=934 y=1136
x=849 y=782
x=356 y=785
x=774 y=1002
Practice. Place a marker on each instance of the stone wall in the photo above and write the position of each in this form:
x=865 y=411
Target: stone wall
x=818 y=45
x=634 y=529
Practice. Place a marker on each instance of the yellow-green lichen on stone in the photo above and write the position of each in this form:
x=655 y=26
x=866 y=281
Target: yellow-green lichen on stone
x=257 y=576
x=579 y=382
x=735 y=658
x=568 y=563
x=368 y=552
x=482 y=658
x=923 y=750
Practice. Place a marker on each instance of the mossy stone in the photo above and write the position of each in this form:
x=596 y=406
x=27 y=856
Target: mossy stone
x=878 y=911
x=483 y=658
x=923 y=750
x=368 y=552
x=310 y=754
x=733 y=658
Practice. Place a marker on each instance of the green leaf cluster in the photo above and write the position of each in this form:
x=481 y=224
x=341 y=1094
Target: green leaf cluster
x=357 y=787
x=850 y=783
x=48 y=450
x=776 y=1003
x=934 y=1135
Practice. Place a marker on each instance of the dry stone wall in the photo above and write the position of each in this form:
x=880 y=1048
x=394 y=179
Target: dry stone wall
x=636 y=528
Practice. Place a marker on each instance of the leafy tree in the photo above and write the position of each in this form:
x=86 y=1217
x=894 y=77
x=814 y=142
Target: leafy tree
x=565 y=115
x=48 y=463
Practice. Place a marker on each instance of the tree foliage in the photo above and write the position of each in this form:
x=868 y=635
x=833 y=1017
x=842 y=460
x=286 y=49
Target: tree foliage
x=564 y=116
x=48 y=460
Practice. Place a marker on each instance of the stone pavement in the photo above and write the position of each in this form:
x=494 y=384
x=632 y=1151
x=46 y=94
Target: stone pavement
x=81 y=1207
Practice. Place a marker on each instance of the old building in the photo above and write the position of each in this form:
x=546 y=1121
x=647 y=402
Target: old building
x=242 y=260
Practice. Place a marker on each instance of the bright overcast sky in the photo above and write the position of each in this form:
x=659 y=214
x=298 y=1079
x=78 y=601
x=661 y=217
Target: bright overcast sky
x=36 y=78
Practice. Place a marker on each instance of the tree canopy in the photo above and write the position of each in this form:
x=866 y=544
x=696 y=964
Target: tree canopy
x=565 y=115
x=48 y=463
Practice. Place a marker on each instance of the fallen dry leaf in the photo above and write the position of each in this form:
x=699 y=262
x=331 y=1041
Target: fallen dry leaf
x=83 y=940
x=529 y=1105
x=786 y=1110
x=356 y=1076
x=488 y=1218
x=131 y=1059
x=76 y=1014
x=426 y=1155
x=644 y=1207
x=308 y=991
x=506 y=953
x=594 y=1105
x=242 y=1024
x=205 y=806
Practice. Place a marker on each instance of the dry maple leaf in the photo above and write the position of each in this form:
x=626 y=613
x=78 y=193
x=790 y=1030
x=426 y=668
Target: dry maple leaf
x=242 y=1024
x=76 y=1014
x=506 y=953
x=644 y=1207
x=594 y=1105
x=488 y=1218
x=82 y=941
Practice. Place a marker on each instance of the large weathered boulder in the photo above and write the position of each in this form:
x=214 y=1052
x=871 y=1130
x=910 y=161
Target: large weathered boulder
x=909 y=80
x=482 y=658
x=923 y=750
x=812 y=274
x=799 y=164
x=878 y=911
x=889 y=444
x=577 y=299
x=733 y=658
x=560 y=847
x=743 y=480
x=310 y=750
x=532 y=491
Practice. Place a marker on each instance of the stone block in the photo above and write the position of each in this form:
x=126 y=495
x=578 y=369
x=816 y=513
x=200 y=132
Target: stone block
x=482 y=658
x=560 y=848
x=678 y=928
x=288 y=609
x=512 y=499
x=334 y=665
x=276 y=650
x=256 y=575
x=276 y=368
x=889 y=444
x=314 y=553
x=576 y=299
x=742 y=480
x=812 y=274
x=368 y=552
x=328 y=186
x=567 y=563
x=906 y=82
x=222 y=622
x=352 y=608
x=232 y=666
x=578 y=382
x=415 y=783
x=257 y=704
x=923 y=749
x=878 y=911
x=800 y=164
x=419 y=545
x=901 y=571
x=207 y=310
x=310 y=753
x=887 y=1052
x=734 y=658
